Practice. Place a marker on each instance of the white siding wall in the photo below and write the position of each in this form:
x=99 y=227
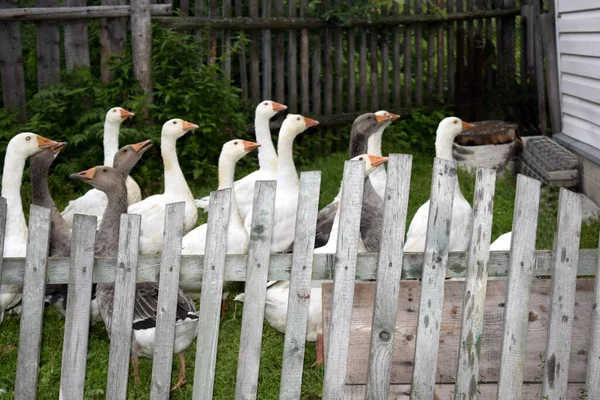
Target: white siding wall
x=578 y=30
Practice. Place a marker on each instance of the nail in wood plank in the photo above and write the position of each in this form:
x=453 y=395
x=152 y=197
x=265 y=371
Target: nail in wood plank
x=389 y=270
x=256 y=289
x=336 y=351
x=77 y=321
x=478 y=255
x=212 y=294
x=167 y=302
x=520 y=273
x=121 y=325
x=562 y=303
x=32 y=313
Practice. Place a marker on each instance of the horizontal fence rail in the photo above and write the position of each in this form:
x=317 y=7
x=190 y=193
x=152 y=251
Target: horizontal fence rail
x=68 y=13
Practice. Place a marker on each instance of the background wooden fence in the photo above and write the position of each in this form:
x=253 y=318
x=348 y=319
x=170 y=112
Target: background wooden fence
x=388 y=266
x=321 y=60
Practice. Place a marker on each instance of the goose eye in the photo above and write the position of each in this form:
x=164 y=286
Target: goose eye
x=235 y=143
x=174 y=122
x=298 y=119
x=266 y=104
x=369 y=117
x=27 y=137
x=455 y=122
x=361 y=158
x=125 y=151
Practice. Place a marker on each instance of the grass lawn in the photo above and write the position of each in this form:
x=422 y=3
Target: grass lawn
x=272 y=346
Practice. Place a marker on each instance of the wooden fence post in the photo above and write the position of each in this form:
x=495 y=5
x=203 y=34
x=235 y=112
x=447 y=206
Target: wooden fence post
x=141 y=43
x=113 y=35
x=77 y=52
x=11 y=63
x=592 y=382
x=48 y=48
x=32 y=314
x=536 y=20
x=548 y=27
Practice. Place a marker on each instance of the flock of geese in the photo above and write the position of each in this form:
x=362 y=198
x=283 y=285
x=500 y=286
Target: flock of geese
x=115 y=192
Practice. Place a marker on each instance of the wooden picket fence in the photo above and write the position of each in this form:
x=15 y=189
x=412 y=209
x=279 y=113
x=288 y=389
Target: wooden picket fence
x=565 y=263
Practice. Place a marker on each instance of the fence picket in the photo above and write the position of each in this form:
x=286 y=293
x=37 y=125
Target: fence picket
x=374 y=69
x=256 y=284
x=561 y=312
x=212 y=294
x=419 y=57
x=113 y=36
x=362 y=69
x=48 y=48
x=77 y=52
x=77 y=322
x=435 y=258
x=336 y=351
x=32 y=314
x=279 y=61
x=407 y=57
x=475 y=286
x=389 y=270
x=351 y=65
x=243 y=71
x=304 y=59
x=167 y=301
x=141 y=43
x=121 y=326
x=592 y=384
x=292 y=72
x=520 y=273
x=11 y=63
x=266 y=54
x=300 y=286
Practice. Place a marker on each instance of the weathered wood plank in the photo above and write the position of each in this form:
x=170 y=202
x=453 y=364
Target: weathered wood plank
x=167 y=302
x=212 y=294
x=304 y=59
x=419 y=57
x=50 y=13
x=338 y=38
x=389 y=272
x=300 y=286
x=77 y=321
x=48 y=48
x=243 y=71
x=213 y=10
x=431 y=72
x=141 y=43
x=385 y=63
x=77 y=52
x=396 y=59
x=11 y=63
x=475 y=286
x=562 y=303
x=336 y=353
x=549 y=40
x=374 y=69
x=407 y=58
x=121 y=326
x=431 y=303
x=351 y=94
x=256 y=283
x=593 y=368
x=227 y=43
x=328 y=68
x=539 y=68
x=280 y=59
x=520 y=273
x=316 y=76
x=292 y=72
x=254 y=56
x=450 y=7
x=406 y=329
x=32 y=313
x=113 y=36
x=362 y=70
x=267 y=76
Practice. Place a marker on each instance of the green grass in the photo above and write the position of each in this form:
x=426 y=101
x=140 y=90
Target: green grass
x=272 y=344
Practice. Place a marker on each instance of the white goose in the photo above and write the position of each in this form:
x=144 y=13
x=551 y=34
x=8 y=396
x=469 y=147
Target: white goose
x=462 y=213
x=276 y=303
x=20 y=147
x=93 y=202
x=288 y=184
x=502 y=243
x=267 y=159
x=378 y=177
x=237 y=236
x=152 y=208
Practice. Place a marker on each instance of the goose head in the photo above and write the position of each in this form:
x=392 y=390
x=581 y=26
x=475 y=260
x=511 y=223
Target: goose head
x=267 y=109
x=176 y=128
x=451 y=127
x=103 y=178
x=116 y=115
x=129 y=155
x=294 y=124
x=27 y=144
x=43 y=159
x=385 y=117
x=371 y=162
x=235 y=149
x=362 y=128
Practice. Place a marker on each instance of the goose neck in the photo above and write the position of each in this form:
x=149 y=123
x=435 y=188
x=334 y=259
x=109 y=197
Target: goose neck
x=175 y=182
x=267 y=157
x=286 y=169
x=11 y=191
x=111 y=142
x=40 y=192
x=226 y=176
x=374 y=143
x=443 y=146
x=108 y=234
x=358 y=144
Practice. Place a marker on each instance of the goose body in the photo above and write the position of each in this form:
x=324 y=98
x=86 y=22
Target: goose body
x=93 y=202
x=462 y=213
x=502 y=243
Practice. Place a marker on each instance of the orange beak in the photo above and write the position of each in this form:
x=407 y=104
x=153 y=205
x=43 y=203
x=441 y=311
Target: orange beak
x=85 y=176
x=45 y=143
x=310 y=122
x=394 y=116
x=249 y=146
x=125 y=114
x=279 y=107
x=382 y=118
x=141 y=147
x=377 y=161
x=58 y=147
x=189 y=126
x=467 y=125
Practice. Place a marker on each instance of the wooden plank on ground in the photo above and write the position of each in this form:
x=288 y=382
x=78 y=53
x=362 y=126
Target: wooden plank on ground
x=48 y=48
x=212 y=294
x=11 y=63
x=593 y=368
x=256 y=290
x=76 y=42
x=389 y=272
x=32 y=313
x=336 y=353
x=300 y=286
x=562 y=297
x=167 y=301
x=141 y=43
x=443 y=183
x=77 y=321
x=113 y=36
x=489 y=360
x=518 y=289
x=475 y=285
x=121 y=325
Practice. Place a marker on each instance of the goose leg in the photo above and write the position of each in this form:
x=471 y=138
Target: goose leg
x=136 y=369
x=320 y=350
x=181 y=381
